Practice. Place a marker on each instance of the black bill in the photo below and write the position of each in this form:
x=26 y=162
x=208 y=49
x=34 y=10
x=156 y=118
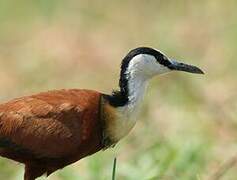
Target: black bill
x=184 y=67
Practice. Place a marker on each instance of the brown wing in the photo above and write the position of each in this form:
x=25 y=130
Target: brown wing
x=52 y=124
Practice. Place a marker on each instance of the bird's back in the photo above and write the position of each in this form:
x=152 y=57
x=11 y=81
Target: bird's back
x=53 y=128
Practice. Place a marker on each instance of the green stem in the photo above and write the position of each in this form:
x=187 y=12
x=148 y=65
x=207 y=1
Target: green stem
x=114 y=169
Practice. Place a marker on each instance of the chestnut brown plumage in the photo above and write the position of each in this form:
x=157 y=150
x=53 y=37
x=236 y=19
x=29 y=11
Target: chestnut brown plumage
x=51 y=130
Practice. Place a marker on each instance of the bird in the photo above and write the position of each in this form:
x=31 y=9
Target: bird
x=51 y=130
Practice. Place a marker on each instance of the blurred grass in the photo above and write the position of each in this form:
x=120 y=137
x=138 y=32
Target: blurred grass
x=188 y=126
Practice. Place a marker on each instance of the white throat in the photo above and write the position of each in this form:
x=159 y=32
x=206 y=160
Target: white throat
x=134 y=80
x=140 y=69
x=137 y=84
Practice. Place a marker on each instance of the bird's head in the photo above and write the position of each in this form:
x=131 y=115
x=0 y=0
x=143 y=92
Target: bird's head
x=148 y=62
x=138 y=66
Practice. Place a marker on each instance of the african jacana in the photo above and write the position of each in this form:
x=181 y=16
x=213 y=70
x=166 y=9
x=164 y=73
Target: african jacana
x=51 y=130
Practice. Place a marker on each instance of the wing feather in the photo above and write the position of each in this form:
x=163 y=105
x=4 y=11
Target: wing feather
x=51 y=124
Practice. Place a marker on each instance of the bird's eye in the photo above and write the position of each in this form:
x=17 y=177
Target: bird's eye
x=164 y=61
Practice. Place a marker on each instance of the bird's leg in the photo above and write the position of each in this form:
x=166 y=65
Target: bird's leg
x=33 y=171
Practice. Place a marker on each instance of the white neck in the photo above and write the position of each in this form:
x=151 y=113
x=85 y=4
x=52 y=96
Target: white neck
x=136 y=90
x=126 y=115
x=137 y=78
x=139 y=70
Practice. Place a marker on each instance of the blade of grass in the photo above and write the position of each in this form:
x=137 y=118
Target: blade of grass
x=114 y=169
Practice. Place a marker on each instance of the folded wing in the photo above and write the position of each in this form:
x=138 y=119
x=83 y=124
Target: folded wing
x=53 y=124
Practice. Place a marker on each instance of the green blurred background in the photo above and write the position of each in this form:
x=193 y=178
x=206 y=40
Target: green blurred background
x=188 y=126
